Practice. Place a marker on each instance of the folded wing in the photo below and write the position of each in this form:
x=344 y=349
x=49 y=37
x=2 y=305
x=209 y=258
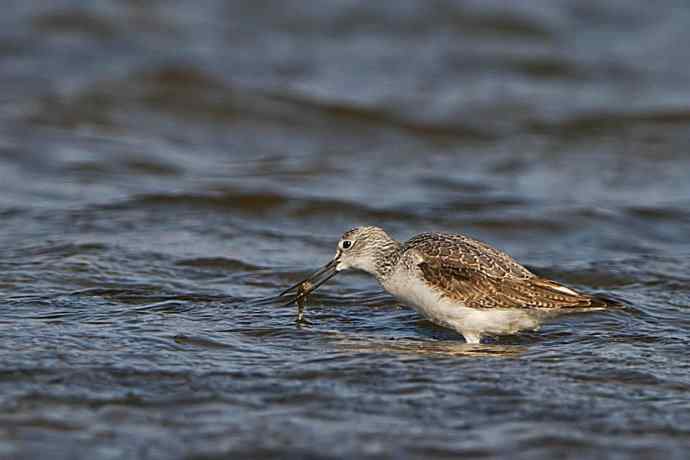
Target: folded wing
x=479 y=276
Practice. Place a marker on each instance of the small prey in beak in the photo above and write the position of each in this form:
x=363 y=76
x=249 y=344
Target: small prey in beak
x=305 y=287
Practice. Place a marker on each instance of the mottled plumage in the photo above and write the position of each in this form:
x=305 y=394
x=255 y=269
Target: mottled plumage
x=479 y=276
x=456 y=281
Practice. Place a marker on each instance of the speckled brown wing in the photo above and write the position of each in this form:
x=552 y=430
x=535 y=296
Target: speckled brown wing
x=480 y=276
x=463 y=251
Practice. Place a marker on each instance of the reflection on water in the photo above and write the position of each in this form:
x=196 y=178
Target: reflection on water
x=167 y=169
x=458 y=348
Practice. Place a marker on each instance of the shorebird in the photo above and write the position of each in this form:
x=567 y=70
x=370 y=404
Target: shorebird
x=454 y=281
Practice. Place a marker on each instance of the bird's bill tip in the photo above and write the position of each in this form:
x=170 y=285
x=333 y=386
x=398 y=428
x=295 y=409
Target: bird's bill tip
x=314 y=280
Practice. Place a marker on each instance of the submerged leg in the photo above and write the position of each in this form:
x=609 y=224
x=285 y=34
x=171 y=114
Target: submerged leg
x=472 y=337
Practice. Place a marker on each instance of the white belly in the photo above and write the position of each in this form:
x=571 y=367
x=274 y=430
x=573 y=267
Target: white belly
x=472 y=323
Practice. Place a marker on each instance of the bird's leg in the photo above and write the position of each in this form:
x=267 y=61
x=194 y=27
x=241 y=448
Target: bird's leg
x=472 y=337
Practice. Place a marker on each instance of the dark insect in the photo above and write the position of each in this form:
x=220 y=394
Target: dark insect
x=302 y=292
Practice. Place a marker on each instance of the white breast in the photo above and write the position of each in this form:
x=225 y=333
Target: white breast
x=470 y=322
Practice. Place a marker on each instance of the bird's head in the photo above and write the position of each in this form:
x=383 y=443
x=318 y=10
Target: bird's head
x=363 y=248
x=368 y=249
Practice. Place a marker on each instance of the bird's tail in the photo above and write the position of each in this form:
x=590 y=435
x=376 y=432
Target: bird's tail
x=601 y=301
x=566 y=297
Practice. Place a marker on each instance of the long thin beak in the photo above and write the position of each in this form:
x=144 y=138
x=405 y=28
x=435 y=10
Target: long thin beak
x=316 y=279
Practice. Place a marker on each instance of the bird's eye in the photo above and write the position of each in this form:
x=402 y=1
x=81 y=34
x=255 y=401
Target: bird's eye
x=346 y=244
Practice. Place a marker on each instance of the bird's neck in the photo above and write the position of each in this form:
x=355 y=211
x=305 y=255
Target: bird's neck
x=386 y=258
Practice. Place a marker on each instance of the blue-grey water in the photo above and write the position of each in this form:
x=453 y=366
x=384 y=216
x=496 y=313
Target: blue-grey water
x=167 y=167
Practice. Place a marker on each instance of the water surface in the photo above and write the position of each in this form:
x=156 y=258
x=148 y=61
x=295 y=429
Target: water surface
x=167 y=167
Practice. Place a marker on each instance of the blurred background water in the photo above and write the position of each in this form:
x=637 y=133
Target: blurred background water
x=167 y=166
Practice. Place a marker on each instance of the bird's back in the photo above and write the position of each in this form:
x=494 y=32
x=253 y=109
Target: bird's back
x=477 y=275
x=461 y=250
